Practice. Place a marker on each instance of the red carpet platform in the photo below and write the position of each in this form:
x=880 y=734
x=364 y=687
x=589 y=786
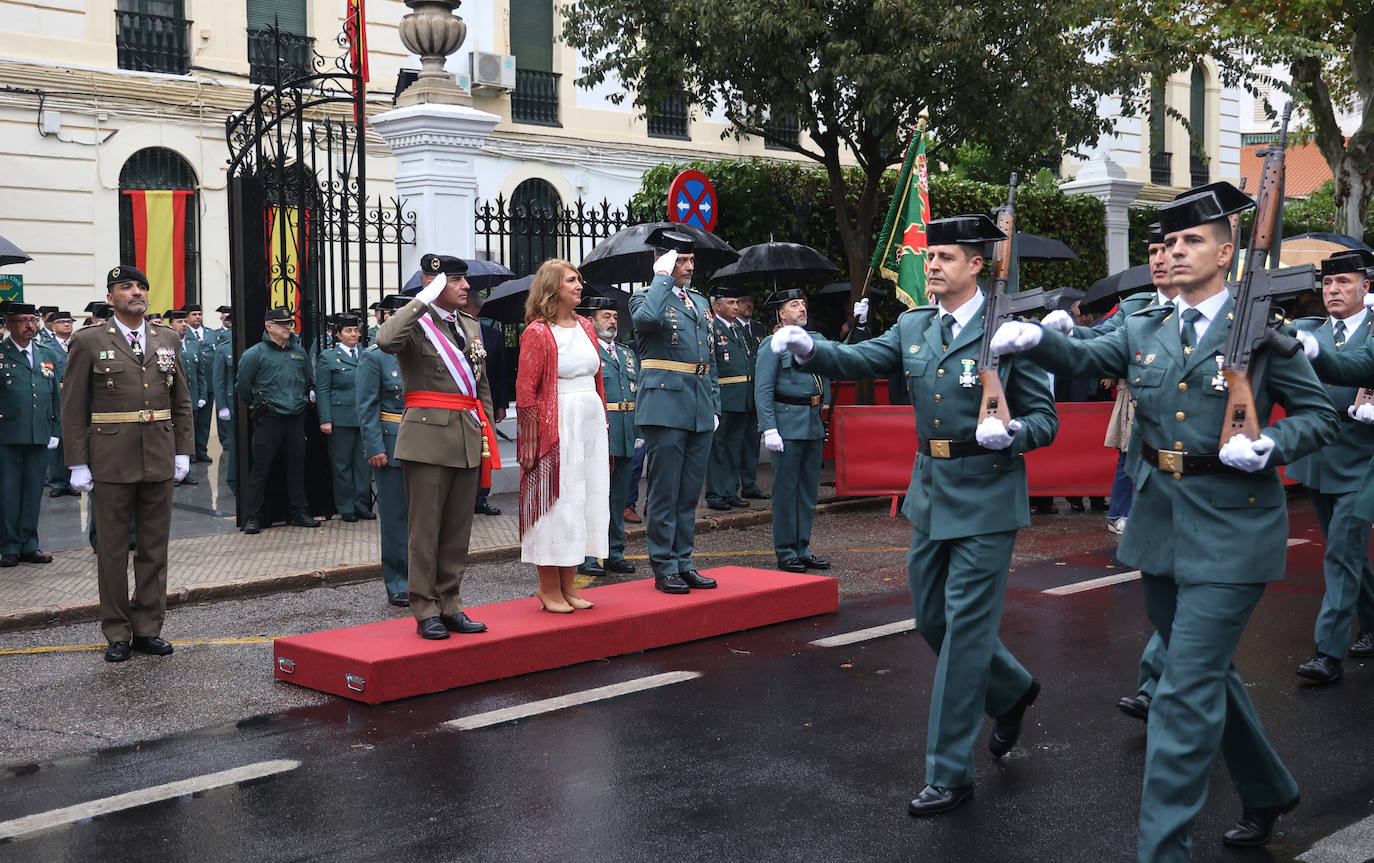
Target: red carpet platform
x=380 y=662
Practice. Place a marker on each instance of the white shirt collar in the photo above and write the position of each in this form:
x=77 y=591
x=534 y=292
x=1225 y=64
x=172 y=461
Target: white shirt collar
x=1160 y=299
x=965 y=313
x=1351 y=322
x=1210 y=307
x=142 y=327
x=609 y=347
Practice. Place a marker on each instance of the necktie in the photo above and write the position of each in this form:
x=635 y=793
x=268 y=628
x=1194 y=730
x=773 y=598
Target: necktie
x=947 y=329
x=457 y=333
x=28 y=357
x=1340 y=333
x=1189 y=333
x=136 y=346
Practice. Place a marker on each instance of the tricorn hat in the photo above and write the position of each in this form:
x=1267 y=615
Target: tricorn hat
x=1154 y=235
x=175 y=314
x=1349 y=261
x=670 y=240
x=1202 y=205
x=9 y=308
x=59 y=315
x=595 y=304
x=393 y=303
x=968 y=229
x=345 y=319
x=225 y=310
x=728 y=290
x=786 y=295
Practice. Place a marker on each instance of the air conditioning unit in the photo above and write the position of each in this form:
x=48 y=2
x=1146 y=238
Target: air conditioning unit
x=492 y=71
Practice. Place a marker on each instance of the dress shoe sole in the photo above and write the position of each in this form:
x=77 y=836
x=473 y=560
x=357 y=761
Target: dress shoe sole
x=1361 y=654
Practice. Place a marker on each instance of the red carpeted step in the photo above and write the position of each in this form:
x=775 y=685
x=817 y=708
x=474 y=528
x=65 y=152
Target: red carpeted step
x=379 y=662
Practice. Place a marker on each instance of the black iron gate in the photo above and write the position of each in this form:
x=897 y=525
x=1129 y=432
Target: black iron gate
x=303 y=233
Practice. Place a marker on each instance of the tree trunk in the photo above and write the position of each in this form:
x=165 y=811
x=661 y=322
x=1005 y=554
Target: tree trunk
x=1353 y=188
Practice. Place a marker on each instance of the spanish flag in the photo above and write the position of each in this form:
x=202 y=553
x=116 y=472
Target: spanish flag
x=160 y=244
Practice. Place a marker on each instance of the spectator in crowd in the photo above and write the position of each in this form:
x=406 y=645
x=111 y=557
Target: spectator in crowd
x=619 y=369
x=381 y=405
x=337 y=399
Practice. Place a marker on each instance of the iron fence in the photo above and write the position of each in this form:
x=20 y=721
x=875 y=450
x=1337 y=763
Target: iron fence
x=522 y=236
x=152 y=43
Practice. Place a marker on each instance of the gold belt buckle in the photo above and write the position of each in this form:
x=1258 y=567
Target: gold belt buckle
x=815 y=401
x=939 y=448
x=624 y=406
x=1172 y=462
x=145 y=416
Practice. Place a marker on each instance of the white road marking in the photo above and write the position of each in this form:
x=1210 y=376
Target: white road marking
x=548 y=705
x=865 y=634
x=119 y=802
x=1092 y=583
x=1353 y=844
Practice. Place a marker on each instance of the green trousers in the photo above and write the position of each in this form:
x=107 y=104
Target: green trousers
x=348 y=468
x=1349 y=579
x=727 y=445
x=749 y=457
x=676 y=467
x=1151 y=666
x=23 y=467
x=796 y=485
x=393 y=515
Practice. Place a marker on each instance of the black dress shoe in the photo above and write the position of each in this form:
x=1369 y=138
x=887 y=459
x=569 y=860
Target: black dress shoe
x=118 y=652
x=813 y=562
x=717 y=504
x=348 y=517
x=594 y=569
x=71 y=492
x=671 y=584
x=617 y=564
x=186 y=480
x=460 y=622
x=151 y=644
x=55 y=492
x=35 y=556
x=738 y=502
x=203 y=459
x=303 y=521
x=757 y=494
x=1007 y=730
x=366 y=515
x=792 y=564
x=1321 y=668
x=1136 y=706
x=1363 y=646
x=400 y=600
x=250 y=526
x=486 y=509
x=432 y=628
x=1256 y=825
x=696 y=580
x=9 y=560
x=933 y=799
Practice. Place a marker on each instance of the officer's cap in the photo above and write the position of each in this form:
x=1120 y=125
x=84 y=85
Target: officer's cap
x=46 y=310
x=58 y=315
x=10 y=308
x=595 y=304
x=1202 y=205
x=1351 y=261
x=279 y=315
x=375 y=306
x=969 y=229
x=1155 y=234
x=124 y=273
x=175 y=314
x=191 y=307
x=346 y=319
x=786 y=295
x=446 y=264
x=153 y=316
x=393 y=303
x=670 y=240
x=728 y=291
x=225 y=310
x=99 y=309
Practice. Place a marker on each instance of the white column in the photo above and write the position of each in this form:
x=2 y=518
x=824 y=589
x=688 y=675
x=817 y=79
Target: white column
x=1106 y=180
x=436 y=148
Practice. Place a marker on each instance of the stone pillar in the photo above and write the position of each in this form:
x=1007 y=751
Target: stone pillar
x=1106 y=180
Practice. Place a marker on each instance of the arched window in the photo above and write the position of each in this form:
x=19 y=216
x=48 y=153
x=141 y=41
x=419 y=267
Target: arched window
x=159 y=228
x=534 y=225
x=1197 y=118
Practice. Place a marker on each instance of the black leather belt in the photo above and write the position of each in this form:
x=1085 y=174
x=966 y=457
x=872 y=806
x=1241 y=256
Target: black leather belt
x=804 y=401
x=1183 y=463
x=951 y=448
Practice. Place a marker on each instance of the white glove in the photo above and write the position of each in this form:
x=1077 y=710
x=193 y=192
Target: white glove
x=1310 y=346
x=1244 y=454
x=53 y=442
x=1058 y=320
x=312 y=397
x=1013 y=337
x=200 y=403
x=1369 y=300
x=181 y=465
x=716 y=418
x=639 y=442
x=861 y=311
x=1364 y=413
x=991 y=434
x=795 y=339
x=431 y=292
x=81 y=478
x=222 y=413
x=665 y=263
x=772 y=441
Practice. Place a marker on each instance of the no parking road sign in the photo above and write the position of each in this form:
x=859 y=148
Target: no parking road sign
x=692 y=200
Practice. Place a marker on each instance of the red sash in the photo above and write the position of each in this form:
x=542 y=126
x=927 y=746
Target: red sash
x=491 y=456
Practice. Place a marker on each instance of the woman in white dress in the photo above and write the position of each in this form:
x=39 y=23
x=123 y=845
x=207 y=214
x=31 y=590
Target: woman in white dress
x=562 y=442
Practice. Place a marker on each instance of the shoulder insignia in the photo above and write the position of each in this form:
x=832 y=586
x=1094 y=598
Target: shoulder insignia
x=1152 y=310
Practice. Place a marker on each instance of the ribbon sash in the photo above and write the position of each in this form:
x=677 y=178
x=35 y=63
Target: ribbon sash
x=454 y=361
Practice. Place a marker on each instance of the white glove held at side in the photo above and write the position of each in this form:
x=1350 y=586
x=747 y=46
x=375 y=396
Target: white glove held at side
x=222 y=413
x=772 y=441
x=1244 y=454
x=795 y=339
x=1310 y=346
x=1059 y=321
x=200 y=403
x=716 y=420
x=1364 y=413
x=1013 y=337
x=663 y=266
x=81 y=478
x=991 y=434
x=639 y=442
x=53 y=442
x=312 y=397
x=181 y=465
x=861 y=311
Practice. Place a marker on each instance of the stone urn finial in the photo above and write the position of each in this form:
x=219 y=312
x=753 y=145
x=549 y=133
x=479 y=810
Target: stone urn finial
x=433 y=31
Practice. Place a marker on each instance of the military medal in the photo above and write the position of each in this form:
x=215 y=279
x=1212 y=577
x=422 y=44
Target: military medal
x=1149 y=359
x=726 y=358
x=914 y=349
x=166 y=359
x=1219 y=380
x=967 y=378
x=47 y=370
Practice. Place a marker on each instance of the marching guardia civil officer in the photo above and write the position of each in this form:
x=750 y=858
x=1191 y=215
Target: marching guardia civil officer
x=734 y=362
x=789 y=398
x=619 y=369
x=677 y=410
x=129 y=432
x=967 y=498
x=444 y=440
x=381 y=402
x=1223 y=511
x=1335 y=474
x=337 y=401
x=30 y=426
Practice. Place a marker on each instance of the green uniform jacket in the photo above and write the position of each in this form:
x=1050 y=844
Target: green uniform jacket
x=1340 y=466
x=61 y=354
x=1124 y=309
x=335 y=388
x=667 y=330
x=197 y=377
x=208 y=344
x=279 y=379
x=30 y=398
x=222 y=373
x=1229 y=527
x=379 y=389
x=778 y=374
x=619 y=372
x=958 y=497
x=734 y=355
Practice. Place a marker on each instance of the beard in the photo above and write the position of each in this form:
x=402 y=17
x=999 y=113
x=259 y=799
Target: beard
x=607 y=334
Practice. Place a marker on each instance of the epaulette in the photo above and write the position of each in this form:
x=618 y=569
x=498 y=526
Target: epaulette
x=1150 y=310
x=931 y=310
x=1141 y=295
x=1309 y=322
x=465 y=314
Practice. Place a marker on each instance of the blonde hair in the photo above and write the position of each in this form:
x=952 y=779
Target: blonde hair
x=542 y=303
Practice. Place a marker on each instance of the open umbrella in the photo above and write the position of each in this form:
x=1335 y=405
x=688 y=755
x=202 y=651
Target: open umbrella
x=776 y=262
x=1117 y=285
x=482 y=275
x=1033 y=247
x=12 y=254
x=1062 y=298
x=506 y=302
x=624 y=257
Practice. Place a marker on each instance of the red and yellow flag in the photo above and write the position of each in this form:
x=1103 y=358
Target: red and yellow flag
x=160 y=244
x=288 y=255
x=355 y=26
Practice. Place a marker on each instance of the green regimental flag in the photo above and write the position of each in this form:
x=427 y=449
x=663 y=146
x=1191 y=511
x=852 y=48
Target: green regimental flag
x=901 y=252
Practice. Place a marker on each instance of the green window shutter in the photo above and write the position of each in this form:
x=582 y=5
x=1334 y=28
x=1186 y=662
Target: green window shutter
x=289 y=15
x=531 y=34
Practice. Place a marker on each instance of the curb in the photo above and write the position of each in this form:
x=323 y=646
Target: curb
x=355 y=573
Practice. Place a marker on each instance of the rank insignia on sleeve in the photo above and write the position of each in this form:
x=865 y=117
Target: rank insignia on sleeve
x=967 y=378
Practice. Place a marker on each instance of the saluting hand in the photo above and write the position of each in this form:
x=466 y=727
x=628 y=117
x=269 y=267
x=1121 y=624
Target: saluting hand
x=665 y=263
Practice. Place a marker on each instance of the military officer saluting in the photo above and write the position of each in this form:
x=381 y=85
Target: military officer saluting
x=1223 y=511
x=734 y=352
x=789 y=399
x=337 y=400
x=30 y=425
x=619 y=371
x=381 y=402
x=677 y=409
x=966 y=500
x=129 y=434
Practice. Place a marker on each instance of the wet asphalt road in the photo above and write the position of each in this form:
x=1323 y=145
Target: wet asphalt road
x=779 y=750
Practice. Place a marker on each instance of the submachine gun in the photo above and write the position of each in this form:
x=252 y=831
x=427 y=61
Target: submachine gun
x=1000 y=308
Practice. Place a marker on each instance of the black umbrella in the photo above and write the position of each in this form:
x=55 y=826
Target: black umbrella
x=12 y=254
x=506 y=302
x=482 y=275
x=1062 y=298
x=624 y=257
x=1117 y=285
x=1033 y=247
x=776 y=262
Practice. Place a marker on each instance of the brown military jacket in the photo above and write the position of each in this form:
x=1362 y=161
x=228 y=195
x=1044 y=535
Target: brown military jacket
x=434 y=435
x=104 y=378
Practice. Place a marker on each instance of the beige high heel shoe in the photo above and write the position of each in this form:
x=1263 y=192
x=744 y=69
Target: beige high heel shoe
x=552 y=605
x=578 y=602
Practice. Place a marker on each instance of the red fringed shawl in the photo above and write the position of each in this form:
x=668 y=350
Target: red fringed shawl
x=536 y=407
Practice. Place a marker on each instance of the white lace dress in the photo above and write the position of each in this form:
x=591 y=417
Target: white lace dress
x=575 y=527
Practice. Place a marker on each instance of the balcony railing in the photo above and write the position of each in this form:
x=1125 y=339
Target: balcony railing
x=670 y=121
x=153 y=43
x=1197 y=168
x=784 y=130
x=1162 y=169
x=267 y=47
x=535 y=99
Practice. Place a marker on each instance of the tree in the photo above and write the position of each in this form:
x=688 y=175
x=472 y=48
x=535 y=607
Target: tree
x=1021 y=77
x=1327 y=45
